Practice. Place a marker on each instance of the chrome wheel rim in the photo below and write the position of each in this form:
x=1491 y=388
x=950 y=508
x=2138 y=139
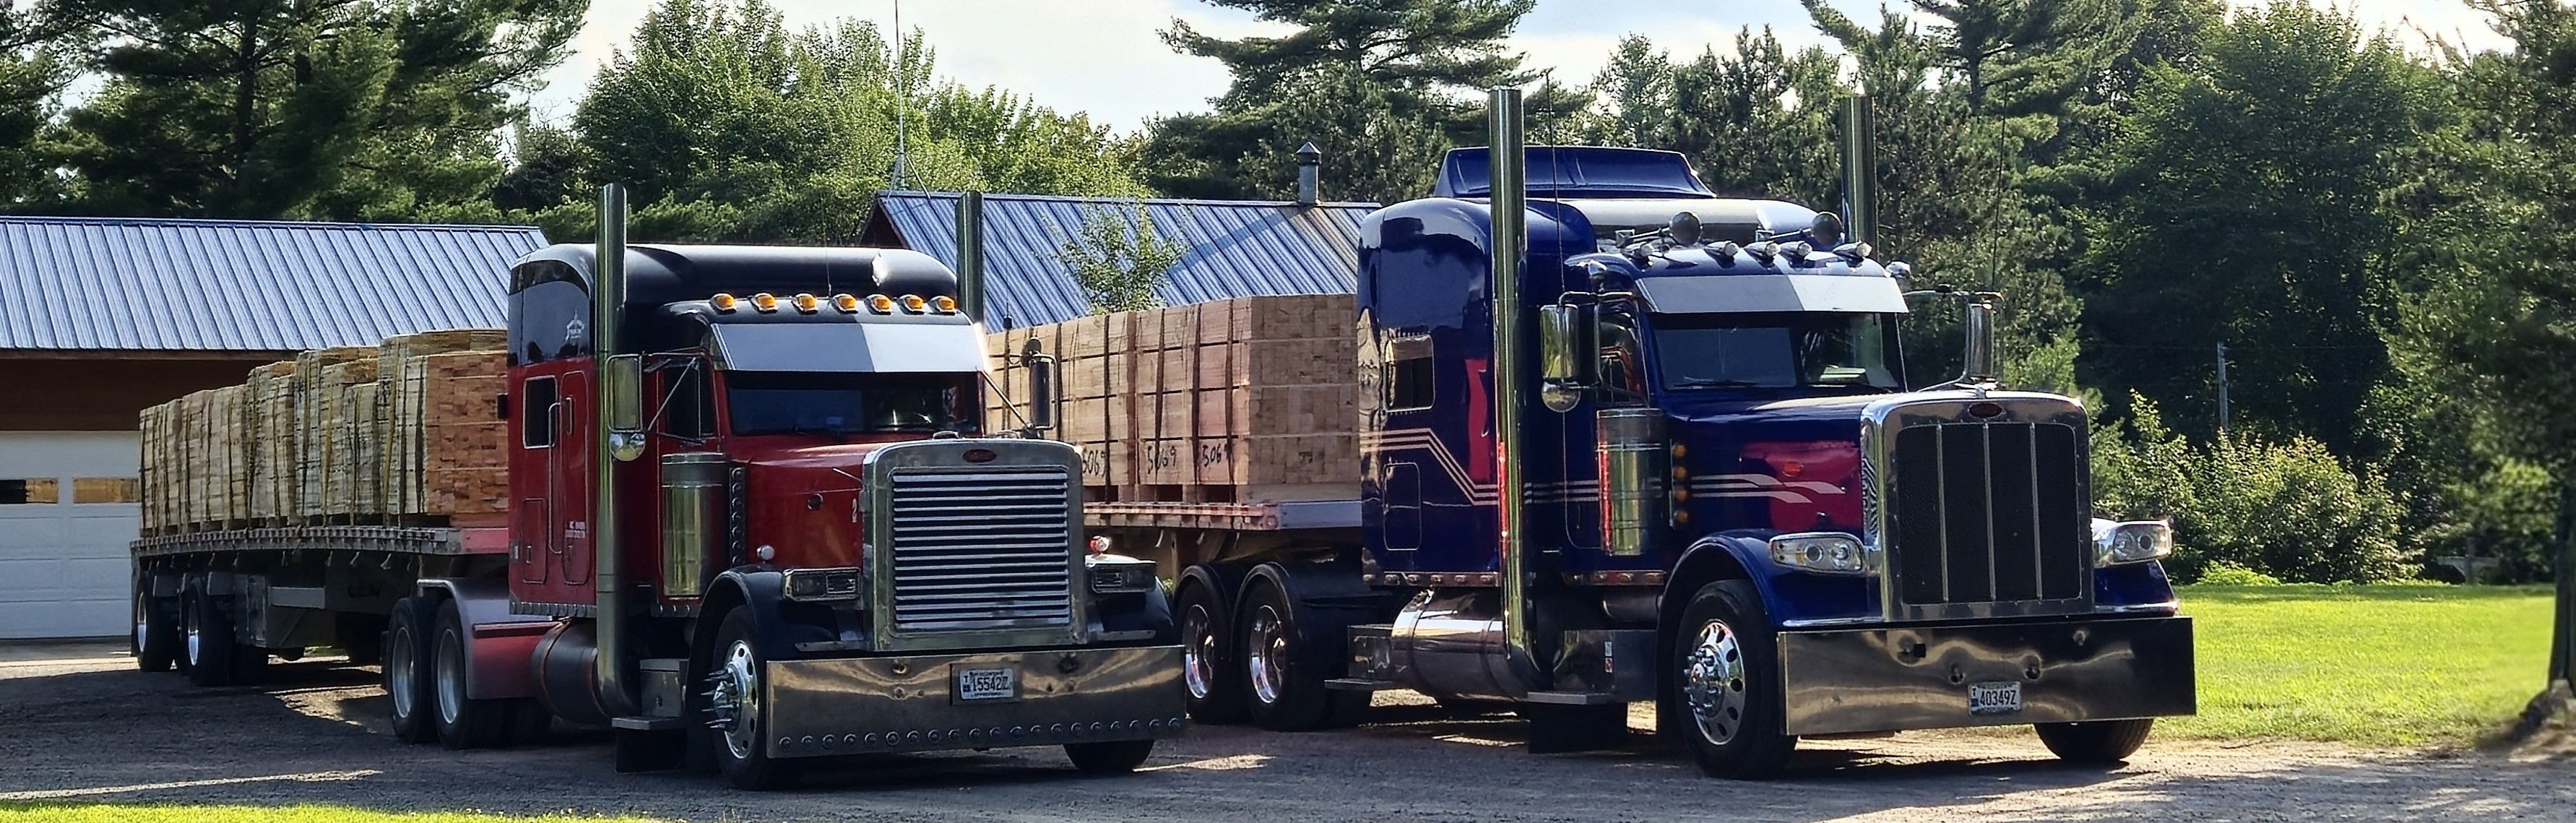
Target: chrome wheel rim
x=449 y=668
x=400 y=652
x=1713 y=683
x=1267 y=656
x=1198 y=654
x=196 y=637
x=734 y=700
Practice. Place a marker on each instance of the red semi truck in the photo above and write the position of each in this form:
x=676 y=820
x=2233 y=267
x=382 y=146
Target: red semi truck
x=752 y=519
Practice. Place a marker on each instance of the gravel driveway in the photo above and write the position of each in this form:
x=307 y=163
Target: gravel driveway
x=93 y=729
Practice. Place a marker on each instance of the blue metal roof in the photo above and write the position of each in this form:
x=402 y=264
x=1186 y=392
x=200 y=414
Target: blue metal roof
x=1231 y=248
x=88 y=283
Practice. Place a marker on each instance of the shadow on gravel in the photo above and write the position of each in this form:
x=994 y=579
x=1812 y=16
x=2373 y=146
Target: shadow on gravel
x=314 y=734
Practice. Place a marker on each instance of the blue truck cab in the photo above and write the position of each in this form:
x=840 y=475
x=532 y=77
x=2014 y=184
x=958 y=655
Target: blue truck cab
x=1623 y=440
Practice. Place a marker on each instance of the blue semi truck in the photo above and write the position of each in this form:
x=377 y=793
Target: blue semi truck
x=1624 y=441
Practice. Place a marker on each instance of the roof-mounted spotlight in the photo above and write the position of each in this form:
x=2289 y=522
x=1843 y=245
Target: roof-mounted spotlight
x=1683 y=229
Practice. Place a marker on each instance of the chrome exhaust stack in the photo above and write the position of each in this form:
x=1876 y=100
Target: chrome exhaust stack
x=1509 y=240
x=608 y=304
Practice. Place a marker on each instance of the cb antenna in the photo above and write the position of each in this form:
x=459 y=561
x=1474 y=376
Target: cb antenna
x=902 y=95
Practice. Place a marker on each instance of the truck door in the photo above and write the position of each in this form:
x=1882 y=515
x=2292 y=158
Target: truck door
x=570 y=480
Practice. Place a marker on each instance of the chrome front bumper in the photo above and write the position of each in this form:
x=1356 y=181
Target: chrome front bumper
x=905 y=704
x=1919 y=677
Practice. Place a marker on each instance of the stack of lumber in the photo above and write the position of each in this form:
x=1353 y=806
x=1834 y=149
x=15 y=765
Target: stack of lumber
x=1242 y=400
x=464 y=446
x=403 y=399
x=406 y=433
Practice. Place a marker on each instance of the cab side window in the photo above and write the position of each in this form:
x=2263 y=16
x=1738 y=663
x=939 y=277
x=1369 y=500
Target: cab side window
x=536 y=408
x=1409 y=376
x=688 y=407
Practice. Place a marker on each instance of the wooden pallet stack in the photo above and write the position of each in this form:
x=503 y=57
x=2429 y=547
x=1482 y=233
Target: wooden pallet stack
x=403 y=385
x=403 y=433
x=463 y=470
x=1242 y=400
x=269 y=414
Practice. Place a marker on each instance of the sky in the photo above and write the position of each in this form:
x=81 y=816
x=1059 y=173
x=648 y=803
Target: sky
x=1105 y=56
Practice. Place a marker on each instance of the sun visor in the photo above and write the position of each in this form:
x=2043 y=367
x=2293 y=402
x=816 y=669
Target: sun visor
x=849 y=347
x=1772 y=293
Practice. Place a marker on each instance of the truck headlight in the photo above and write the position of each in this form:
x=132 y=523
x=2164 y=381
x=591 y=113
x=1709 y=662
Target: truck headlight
x=2136 y=541
x=822 y=584
x=1113 y=574
x=1823 y=552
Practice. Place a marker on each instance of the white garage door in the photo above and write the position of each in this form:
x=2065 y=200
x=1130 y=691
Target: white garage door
x=67 y=510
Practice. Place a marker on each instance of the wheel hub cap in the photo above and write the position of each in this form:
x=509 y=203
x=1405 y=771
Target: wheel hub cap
x=1198 y=654
x=733 y=699
x=1268 y=657
x=1713 y=683
x=399 y=654
x=450 y=671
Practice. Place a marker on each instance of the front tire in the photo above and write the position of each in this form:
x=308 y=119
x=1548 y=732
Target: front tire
x=2099 y=742
x=1214 y=684
x=1287 y=694
x=1111 y=757
x=406 y=668
x=207 y=630
x=156 y=631
x=736 y=715
x=1726 y=684
x=463 y=722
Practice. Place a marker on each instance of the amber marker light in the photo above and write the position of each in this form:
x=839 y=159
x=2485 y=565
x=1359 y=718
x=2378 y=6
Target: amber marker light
x=807 y=304
x=880 y=304
x=913 y=303
x=765 y=302
x=724 y=302
x=845 y=303
x=945 y=304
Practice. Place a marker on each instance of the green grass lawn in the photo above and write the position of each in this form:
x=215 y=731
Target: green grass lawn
x=2367 y=665
x=119 y=813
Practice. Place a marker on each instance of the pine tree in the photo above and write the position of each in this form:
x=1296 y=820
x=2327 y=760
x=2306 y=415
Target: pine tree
x=329 y=108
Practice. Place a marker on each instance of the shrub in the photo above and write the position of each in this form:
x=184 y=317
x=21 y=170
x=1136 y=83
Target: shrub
x=2286 y=509
x=2223 y=573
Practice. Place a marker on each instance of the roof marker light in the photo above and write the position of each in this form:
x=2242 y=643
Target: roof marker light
x=845 y=303
x=945 y=304
x=724 y=302
x=914 y=304
x=806 y=303
x=765 y=302
x=880 y=304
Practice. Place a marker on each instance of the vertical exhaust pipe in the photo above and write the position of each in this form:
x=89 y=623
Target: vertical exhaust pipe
x=1510 y=238
x=1860 y=178
x=607 y=305
x=1310 y=166
x=970 y=254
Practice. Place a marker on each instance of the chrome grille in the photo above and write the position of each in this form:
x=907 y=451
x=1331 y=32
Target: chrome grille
x=1988 y=513
x=981 y=549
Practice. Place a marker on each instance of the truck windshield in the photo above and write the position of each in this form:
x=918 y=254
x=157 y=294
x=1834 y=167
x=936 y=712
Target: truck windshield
x=1775 y=350
x=846 y=403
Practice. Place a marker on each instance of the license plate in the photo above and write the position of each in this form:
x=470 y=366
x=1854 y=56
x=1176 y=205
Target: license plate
x=1994 y=698
x=980 y=685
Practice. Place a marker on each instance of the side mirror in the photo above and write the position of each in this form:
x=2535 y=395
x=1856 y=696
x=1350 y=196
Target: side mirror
x=1979 y=354
x=1569 y=354
x=621 y=386
x=1042 y=399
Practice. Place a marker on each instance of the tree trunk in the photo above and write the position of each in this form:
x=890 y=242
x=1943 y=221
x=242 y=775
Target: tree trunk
x=2562 y=642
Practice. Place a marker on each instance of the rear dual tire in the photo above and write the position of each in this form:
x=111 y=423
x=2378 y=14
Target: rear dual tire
x=1286 y=690
x=157 y=639
x=1210 y=672
x=206 y=632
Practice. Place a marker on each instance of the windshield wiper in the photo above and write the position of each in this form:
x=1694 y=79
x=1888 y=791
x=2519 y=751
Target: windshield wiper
x=1712 y=383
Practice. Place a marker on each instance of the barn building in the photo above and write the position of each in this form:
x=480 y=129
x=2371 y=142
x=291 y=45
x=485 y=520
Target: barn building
x=102 y=317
